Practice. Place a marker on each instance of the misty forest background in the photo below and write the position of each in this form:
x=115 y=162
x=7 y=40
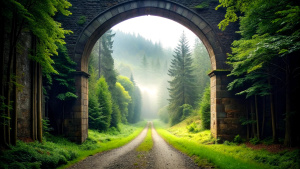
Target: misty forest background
x=140 y=69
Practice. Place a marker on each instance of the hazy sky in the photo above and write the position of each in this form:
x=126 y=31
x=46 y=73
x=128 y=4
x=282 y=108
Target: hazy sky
x=157 y=29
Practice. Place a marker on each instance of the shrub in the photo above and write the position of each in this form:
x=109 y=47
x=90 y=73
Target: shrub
x=193 y=128
x=186 y=111
x=238 y=139
x=254 y=141
x=205 y=108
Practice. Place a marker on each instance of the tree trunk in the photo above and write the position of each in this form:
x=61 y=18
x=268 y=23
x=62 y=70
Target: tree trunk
x=288 y=129
x=264 y=117
x=252 y=119
x=2 y=112
x=39 y=104
x=12 y=46
x=257 y=120
x=248 y=126
x=14 y=98
x=273 y=116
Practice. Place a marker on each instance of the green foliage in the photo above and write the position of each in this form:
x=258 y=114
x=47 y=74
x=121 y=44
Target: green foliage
x=115 y=116
x=61 y=86
x=193 y=128
x=129 y=87
x=238 y=139
x=38 y=19
x=204 y=111
x=163 y=114
x=232 y=7
x=100 y=118
x=254 y=141
x=186 y=111
x=46 y=126
x=81 y=20
x=182 y=85
x=56 y=151
x=266 y=37
x=122 y=100
x=226 y=155
x=107 y=62
x=137 y=104
x=201 y=64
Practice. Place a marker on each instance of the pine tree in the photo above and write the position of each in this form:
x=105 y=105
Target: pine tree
x=108 y=71
x=101 y=119
x=107 y=62
x=145 y=63
x=182 y=86
x=201 y=65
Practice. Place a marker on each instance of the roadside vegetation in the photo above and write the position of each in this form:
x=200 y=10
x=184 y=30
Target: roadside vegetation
x=57 y=151
x=206 y=152
x=147 y=144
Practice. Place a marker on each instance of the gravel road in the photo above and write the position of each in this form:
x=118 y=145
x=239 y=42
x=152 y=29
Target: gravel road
x=162 y=156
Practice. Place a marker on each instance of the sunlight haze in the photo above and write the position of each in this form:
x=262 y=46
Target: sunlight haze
x=156 y=29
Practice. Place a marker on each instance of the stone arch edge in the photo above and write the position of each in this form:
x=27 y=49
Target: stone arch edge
x=174 y=10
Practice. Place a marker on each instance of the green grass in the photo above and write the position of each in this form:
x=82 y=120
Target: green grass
x=147 y=144
x=199 y=146
x=58 y=151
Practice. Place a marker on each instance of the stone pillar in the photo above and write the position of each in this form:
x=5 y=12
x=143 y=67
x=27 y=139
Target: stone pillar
x=226 y=108
x=75 y=125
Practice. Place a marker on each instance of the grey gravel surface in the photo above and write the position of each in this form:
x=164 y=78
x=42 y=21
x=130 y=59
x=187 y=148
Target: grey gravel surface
x=162 y=156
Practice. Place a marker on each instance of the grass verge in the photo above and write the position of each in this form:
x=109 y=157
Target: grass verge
x=229 y=156
x=147 y=144
x=59 y=152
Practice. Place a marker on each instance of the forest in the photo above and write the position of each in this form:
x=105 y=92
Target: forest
x=132 y=80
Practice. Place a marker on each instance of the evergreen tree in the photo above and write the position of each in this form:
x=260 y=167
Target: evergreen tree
x=100 y=120
x=201 y=65
x=108 y=71
x=182 y=86
x=137 y=104
x=145 y=63
x=205 y=108
x=107 y=62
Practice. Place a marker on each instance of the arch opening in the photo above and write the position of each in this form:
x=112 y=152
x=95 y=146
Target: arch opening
x=220 y=97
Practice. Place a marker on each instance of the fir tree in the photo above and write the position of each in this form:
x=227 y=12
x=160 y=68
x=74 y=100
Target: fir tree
x=182 y=86
x=107 y=62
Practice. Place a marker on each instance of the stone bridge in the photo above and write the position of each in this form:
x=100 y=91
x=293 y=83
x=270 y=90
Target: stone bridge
x=101 y=15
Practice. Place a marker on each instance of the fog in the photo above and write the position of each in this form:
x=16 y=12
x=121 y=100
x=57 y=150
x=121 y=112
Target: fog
x=147 y=58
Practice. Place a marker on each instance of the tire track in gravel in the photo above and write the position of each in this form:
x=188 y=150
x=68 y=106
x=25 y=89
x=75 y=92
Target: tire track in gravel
x=161 y=156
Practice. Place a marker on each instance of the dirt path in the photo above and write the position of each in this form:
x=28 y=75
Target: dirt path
x=162 y=156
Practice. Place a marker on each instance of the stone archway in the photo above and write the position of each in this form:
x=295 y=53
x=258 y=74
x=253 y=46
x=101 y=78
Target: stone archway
x=224 y=108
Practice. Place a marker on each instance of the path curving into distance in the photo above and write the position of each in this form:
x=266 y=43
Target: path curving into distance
x=162 y=156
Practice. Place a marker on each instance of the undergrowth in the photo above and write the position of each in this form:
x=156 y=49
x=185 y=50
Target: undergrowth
x=200 y=146
x=57 y=151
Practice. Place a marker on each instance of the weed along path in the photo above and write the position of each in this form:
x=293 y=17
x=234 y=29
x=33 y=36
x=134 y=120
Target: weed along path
x=148 y=150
